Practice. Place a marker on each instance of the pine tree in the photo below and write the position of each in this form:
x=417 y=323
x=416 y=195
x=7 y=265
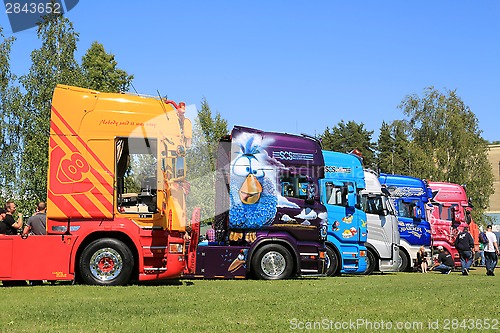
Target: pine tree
x=385 y=147
x=346 y=137
x=100 y=71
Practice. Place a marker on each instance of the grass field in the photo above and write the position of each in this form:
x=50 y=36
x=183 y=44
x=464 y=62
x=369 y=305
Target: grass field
x=420 y=302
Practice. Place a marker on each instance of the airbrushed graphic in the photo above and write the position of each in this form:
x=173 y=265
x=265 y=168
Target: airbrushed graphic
x=253 y=192
x=78 y=188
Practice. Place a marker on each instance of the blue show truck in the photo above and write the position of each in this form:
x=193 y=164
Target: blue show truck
x=340 y=192
x=411 y=197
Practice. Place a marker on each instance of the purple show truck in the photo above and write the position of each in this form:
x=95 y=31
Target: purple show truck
x=269 y=221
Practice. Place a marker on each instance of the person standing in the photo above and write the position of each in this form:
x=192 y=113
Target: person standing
x=445 y=261
x=491 y=251
x=210 y=234
x=9 y=226
x=36 y=223
x=464 y=243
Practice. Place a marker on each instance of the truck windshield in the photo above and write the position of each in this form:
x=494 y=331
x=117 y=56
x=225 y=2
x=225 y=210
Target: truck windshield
x=373 y=204
x=408 y=208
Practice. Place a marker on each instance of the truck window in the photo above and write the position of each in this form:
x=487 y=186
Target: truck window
x=293 y=186
x=136 y=175
x=373 y=204
x=407 y=208
x=446 y=212
x=336 y=195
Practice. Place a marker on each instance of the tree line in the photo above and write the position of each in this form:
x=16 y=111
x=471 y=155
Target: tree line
x=438 y=139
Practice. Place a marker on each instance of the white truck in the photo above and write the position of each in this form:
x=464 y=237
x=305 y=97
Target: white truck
x=383 y=233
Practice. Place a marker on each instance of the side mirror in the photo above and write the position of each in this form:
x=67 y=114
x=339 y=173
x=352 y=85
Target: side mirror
x=351 y=199
x=311 y=193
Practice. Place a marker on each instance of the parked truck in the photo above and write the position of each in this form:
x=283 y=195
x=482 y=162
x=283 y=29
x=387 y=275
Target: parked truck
x=269 y=220
x=115 y=198
x=450 y=213
x=411 y=198
x=347 y=223
x=383 y=233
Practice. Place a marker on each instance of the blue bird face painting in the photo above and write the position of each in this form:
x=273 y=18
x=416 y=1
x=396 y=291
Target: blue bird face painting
x=253 y=192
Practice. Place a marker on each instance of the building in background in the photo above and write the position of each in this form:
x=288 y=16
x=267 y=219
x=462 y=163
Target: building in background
x=494 y=209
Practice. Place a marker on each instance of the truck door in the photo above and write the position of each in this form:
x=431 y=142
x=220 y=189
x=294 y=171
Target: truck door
x=380 y=225
x=341 y=213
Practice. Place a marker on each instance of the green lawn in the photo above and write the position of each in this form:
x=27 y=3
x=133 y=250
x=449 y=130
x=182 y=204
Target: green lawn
x=368 y=302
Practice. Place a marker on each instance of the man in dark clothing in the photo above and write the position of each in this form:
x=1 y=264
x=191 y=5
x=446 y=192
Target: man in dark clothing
x=36 y=223
x=464 y=243
x=9 y=226
x=445 y=260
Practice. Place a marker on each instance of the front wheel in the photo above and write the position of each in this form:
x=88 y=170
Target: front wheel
x=332 y=262
x=272 y=262
x=371 y=262
x=403 y=267
x=107 y=262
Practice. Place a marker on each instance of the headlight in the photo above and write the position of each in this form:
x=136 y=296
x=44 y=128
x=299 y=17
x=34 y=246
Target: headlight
x=176 y=248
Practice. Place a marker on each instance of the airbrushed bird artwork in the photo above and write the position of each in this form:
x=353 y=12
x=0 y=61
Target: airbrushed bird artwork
x=253 y=184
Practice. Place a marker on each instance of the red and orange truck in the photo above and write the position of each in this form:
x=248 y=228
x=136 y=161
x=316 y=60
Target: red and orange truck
x=116 y=192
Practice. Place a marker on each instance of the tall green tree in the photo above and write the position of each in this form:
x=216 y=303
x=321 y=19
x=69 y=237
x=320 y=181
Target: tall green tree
x=201 y=160
x=346 y=137
x=53 y=63
x=10 y=100
x=442 y=126
x=394 y=149
x=385 y=148
x=101 y=73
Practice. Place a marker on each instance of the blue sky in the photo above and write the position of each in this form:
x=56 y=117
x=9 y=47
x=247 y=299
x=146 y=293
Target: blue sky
x=297 y=66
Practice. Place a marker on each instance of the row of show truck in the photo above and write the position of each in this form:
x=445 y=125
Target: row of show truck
x=117 y=203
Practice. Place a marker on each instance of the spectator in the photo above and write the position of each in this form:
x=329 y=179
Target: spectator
x=2 y=214
x=422 y=259
x=445 y=261
x=210 y=234
x=187 y=234
x=36 y=223
x=481 y=254
x=9 y=226
x=491 y=252
x=464 y=243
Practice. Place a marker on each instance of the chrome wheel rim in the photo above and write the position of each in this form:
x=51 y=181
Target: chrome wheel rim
x=106 y=264
x=273 y=263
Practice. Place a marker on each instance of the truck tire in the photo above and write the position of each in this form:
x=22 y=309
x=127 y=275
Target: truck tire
x=332 y=262
x=272 y=262
x=371 y=262
x=404 y=261
x=106 y=262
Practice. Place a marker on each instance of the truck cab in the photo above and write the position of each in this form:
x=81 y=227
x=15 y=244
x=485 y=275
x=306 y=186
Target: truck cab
x=411 y=199
x=340 y=192
x=383 y=233
x=450 y=213
x=116 y=192
x=269 y=221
